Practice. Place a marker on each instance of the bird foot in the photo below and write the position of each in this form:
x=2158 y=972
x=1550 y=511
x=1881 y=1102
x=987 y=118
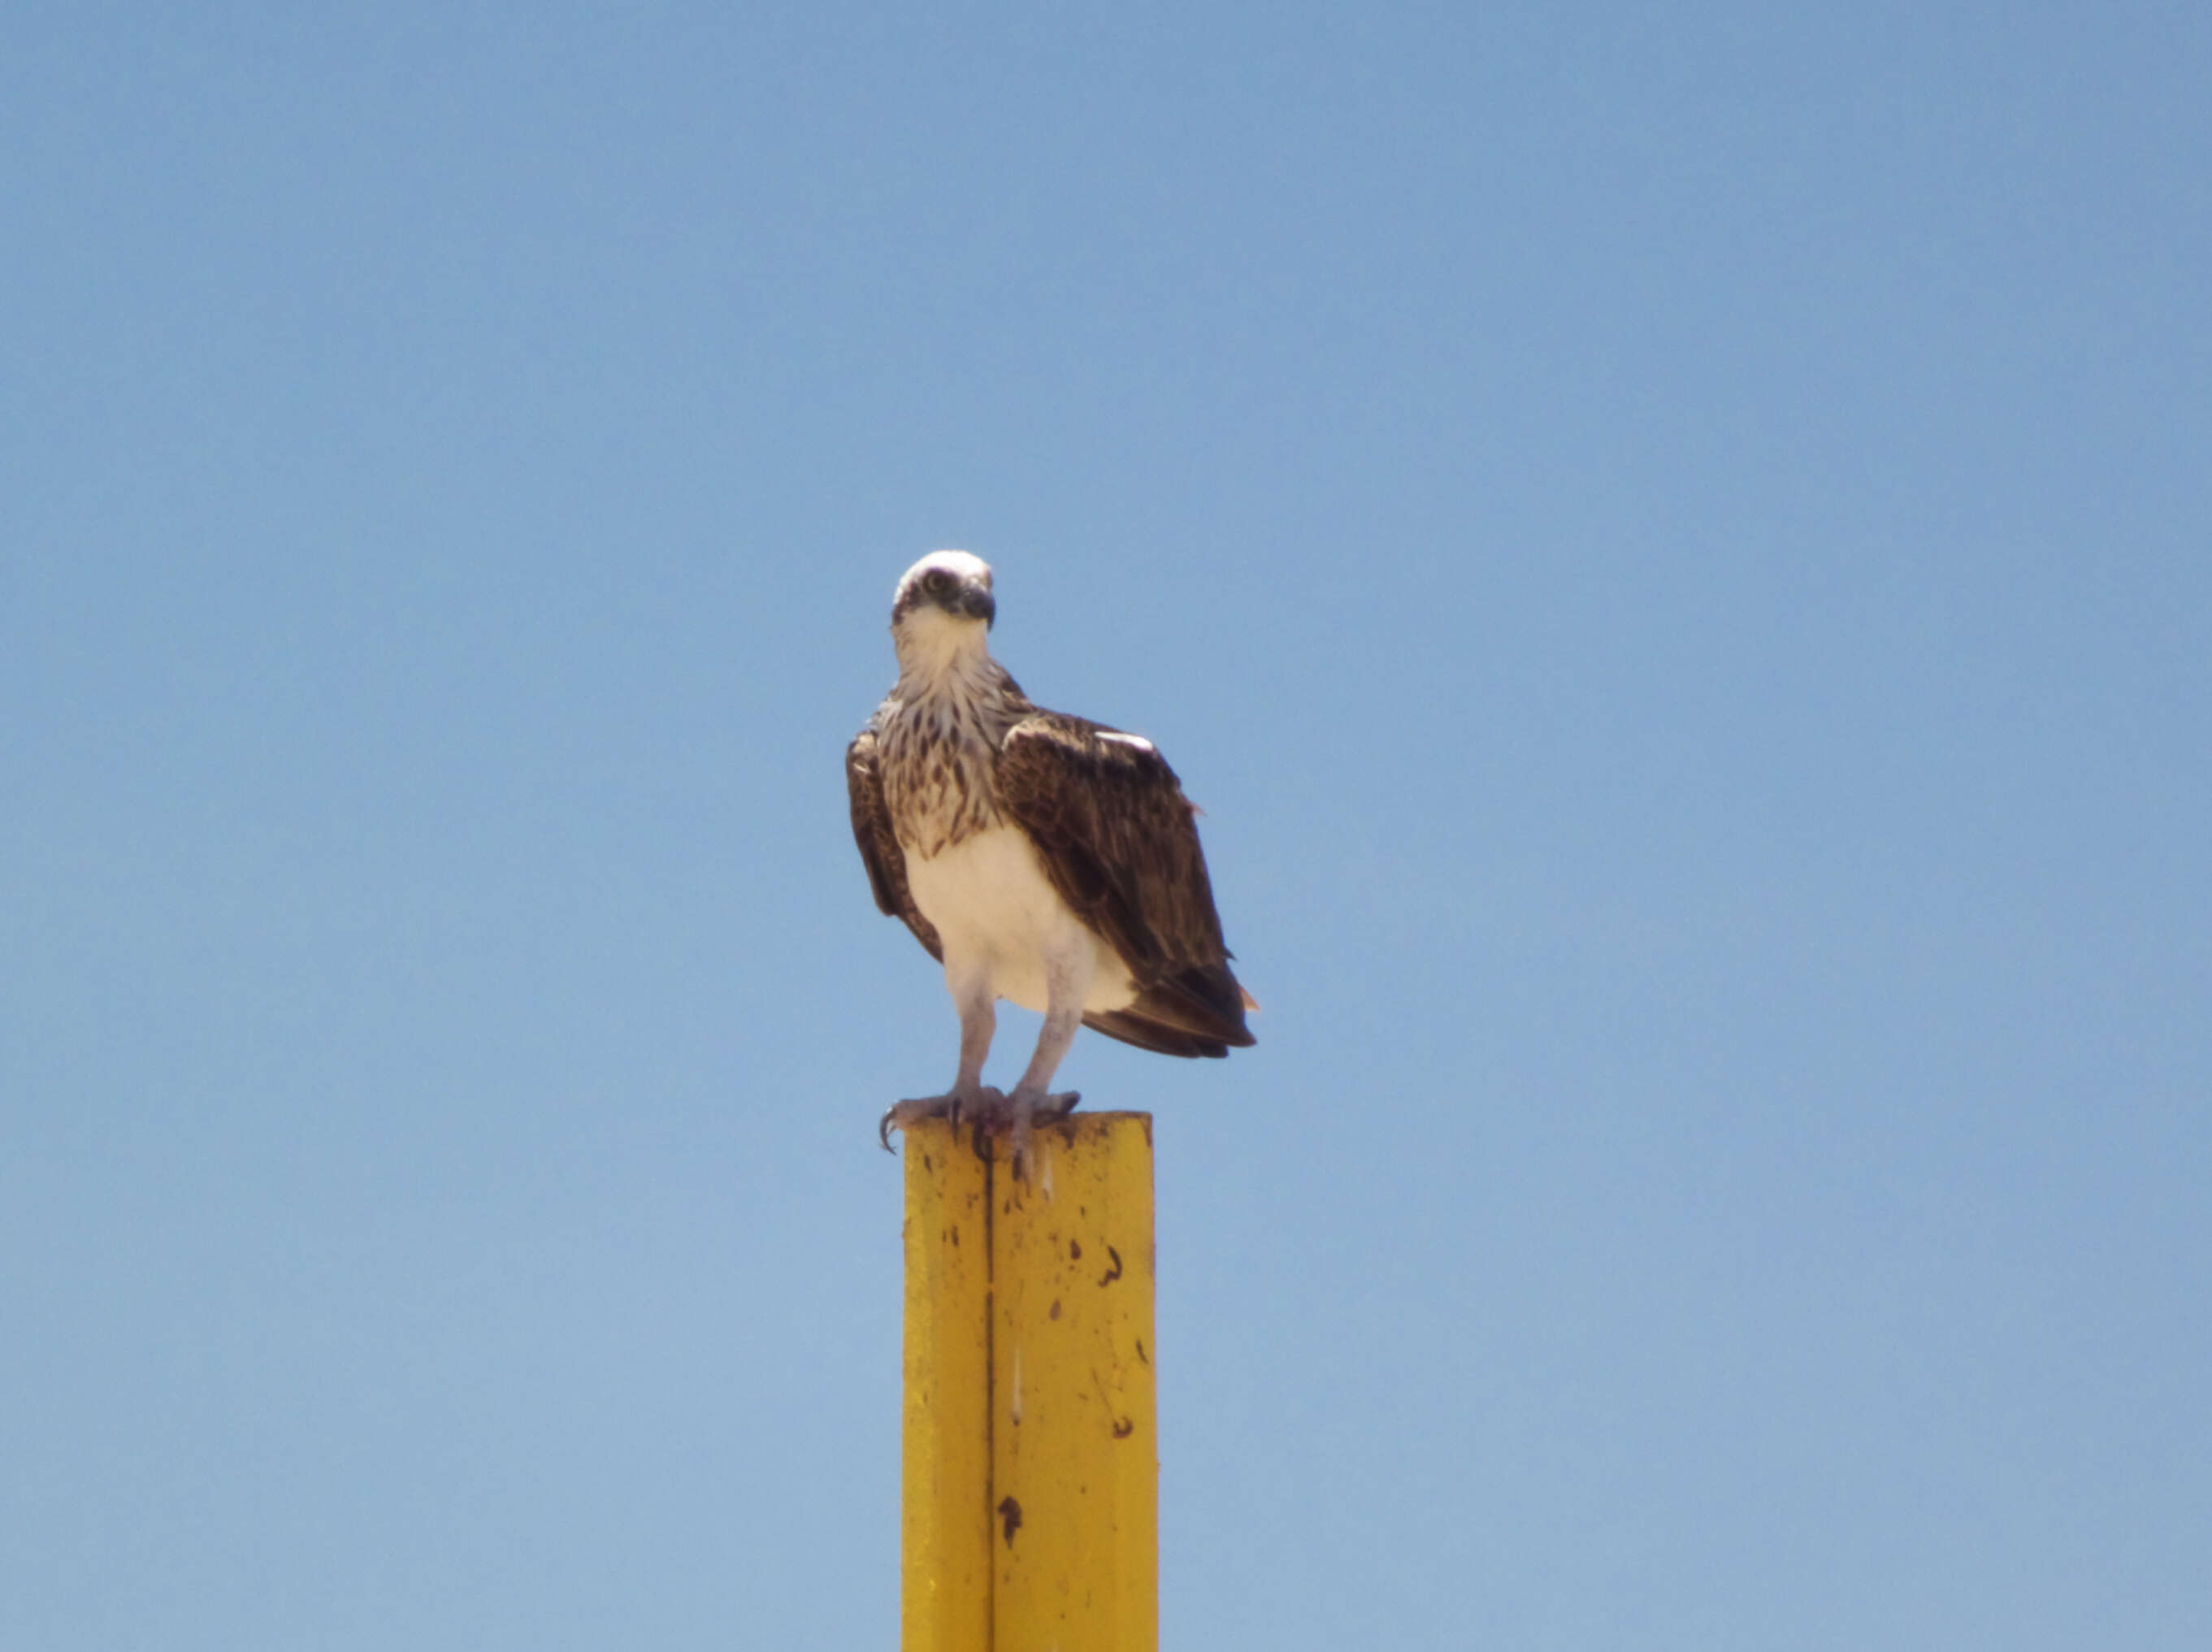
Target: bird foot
x=1021 y=1111
x=983 y=1103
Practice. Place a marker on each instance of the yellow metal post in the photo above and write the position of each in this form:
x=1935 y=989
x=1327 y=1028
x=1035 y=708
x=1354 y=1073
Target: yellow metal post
x=1031 y=1455
x=1074 y=1447
x=944 y=1538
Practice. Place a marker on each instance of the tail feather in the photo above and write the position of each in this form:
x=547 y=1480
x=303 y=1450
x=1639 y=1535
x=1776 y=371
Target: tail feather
x=1194 y=1012
x=1156 y=1036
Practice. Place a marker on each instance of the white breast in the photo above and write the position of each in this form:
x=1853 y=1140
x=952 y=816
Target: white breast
x=997 y=913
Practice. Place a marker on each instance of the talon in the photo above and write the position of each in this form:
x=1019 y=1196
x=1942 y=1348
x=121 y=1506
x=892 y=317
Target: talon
x=956 y=1107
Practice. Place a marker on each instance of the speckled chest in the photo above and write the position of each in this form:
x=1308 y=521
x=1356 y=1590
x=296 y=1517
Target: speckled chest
x=938 y=750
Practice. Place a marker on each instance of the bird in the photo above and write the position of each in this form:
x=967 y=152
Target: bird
x=1040 y=858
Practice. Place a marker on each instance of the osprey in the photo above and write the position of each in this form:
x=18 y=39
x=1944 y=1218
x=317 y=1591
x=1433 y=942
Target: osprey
x=1038 y=857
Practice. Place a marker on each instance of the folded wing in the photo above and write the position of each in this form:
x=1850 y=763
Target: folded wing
x=878 y=841
x=1119 y=842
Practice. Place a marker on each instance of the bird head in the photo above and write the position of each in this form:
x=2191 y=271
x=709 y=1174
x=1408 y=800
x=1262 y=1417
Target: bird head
x=943 y=608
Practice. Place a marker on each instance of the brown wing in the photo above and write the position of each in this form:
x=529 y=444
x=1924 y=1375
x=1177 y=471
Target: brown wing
x=879 y=846
x=1118 y=839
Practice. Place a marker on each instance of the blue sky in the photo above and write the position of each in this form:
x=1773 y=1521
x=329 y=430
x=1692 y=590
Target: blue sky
x=1673 y=547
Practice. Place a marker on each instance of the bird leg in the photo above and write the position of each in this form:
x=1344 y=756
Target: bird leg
x=1067 y=979
x=969 y=1097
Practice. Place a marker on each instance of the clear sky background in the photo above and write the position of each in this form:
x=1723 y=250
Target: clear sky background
x=1673 y=545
